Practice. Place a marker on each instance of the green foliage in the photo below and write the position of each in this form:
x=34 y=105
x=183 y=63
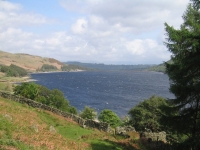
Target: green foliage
x=72 y=67
x=110 y=117
x=147 y=114
x=47 y=67
x=184 y=74
x=54 y=98
x=72 y=110
x=28 y=90
x=88 y=113
x=160 y=67
x=13 y=71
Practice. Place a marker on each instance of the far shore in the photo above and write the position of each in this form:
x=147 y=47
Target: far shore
x=56 y=71
x=29 y=79
x=16 y=80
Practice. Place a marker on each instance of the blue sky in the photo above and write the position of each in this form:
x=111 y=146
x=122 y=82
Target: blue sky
x=96 y=31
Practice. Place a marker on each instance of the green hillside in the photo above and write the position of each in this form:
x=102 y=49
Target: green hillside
x=25 y=128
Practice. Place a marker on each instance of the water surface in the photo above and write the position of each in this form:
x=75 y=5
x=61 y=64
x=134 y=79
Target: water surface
x=115 y=90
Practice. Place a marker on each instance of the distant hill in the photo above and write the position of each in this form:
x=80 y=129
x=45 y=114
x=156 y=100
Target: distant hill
x=33 y=63
x=96 y=66
x=160 y=67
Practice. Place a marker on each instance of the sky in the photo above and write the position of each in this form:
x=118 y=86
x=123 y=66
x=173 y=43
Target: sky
x=91 y=31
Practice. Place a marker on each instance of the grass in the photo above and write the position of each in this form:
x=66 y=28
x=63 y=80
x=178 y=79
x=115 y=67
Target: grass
x=23 y=127
x=100 y=145
x=28 y=62
x=7 y=83
x=2 y=86
x=7 y=127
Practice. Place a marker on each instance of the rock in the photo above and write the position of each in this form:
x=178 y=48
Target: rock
x=120 y=131
x=8 y=117
x=52 y=129
x=154 y=136
x=147 y=130
x=129 y=128
x=35 y=127
x=110 y=130
x=124 y=130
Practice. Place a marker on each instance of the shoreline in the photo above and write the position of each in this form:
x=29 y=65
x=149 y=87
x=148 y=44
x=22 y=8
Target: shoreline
x=56 y=71
x=30 y=79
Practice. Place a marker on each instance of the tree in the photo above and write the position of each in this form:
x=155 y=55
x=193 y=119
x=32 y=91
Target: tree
x=28 y=90
x=88 y=113
x=47 y=67
x=13 y=71
x=184 y=74
x=147 y=114
x=54 y=98
x=110 y=117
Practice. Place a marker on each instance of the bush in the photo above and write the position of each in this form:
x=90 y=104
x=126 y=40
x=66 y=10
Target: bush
x=28 y=90
x=110 y=117
x=88 y=113
x=54 y=98
x=147 y=114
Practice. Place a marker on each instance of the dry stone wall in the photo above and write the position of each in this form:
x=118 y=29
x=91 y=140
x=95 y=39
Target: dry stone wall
x=154 y=136
x=82 y=122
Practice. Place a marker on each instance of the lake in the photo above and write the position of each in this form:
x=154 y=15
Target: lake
x=118 y=91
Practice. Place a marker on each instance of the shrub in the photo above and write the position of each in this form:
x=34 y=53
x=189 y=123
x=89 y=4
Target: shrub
x=88 y=113
x=147 y=114
x=54 y=98
x=110 y=117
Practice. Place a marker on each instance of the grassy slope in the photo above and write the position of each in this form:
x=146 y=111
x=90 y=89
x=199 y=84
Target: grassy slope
x=28 y=62
x=23 y=127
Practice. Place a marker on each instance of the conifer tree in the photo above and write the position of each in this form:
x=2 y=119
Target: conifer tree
x=184 y=74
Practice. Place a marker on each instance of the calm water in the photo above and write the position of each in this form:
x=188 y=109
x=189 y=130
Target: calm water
x=115 y=90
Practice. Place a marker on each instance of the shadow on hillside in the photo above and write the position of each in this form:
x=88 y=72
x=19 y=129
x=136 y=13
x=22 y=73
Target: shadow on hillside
x=110 y=145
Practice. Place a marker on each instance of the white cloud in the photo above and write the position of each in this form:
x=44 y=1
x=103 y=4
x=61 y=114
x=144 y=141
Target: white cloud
x=12 y=16
x=135 y=47
x=7 y=6
x=103 y=31
x=80 y=26
x=139 y=16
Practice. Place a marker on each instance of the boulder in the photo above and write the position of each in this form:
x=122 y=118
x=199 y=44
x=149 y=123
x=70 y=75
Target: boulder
x=52 y=129
x=154 y=136
x=124 y=130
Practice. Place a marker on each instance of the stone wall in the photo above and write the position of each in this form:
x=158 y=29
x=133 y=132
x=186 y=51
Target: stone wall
x=82 y=122
x=154 y=136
